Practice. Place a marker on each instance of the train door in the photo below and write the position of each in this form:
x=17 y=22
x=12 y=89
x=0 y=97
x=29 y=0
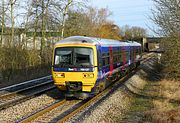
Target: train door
x=99 y=58
x=134 y=53
x=131 y=54
x=111 y=59
x=124 y=56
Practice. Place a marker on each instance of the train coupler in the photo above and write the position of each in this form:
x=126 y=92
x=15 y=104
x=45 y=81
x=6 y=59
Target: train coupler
x=74 y=86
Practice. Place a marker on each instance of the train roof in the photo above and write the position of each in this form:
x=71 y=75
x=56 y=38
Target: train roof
x=96 y=41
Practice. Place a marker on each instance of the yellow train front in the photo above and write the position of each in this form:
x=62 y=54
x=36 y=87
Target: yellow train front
x=84 y=66
x=75 y=66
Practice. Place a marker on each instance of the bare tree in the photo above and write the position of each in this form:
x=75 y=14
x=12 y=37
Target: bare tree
x=43 y=28
x=99 y=16
x=2 y=21
x=35 y=19
x=25 y=25
x=65 y=12
x=133 y=32
x=12 y=3
x=167 y=17
x=60 y=11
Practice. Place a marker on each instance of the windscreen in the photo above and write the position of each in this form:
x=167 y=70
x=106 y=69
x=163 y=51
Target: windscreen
x=73 y=57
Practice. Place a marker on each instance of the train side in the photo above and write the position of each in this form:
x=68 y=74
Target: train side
x=84 y=66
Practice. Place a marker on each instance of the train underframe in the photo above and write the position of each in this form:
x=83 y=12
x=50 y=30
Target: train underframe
x=74 y=89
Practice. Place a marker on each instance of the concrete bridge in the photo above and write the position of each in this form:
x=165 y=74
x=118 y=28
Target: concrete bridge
x=150 y=43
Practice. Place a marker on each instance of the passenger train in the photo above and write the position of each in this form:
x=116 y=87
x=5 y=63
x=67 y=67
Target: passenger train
x=84 y=66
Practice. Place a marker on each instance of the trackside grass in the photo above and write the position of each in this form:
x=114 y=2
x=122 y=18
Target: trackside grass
x=157 y=102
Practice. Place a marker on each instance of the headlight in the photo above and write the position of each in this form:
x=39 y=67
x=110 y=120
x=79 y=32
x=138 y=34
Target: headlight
x=60 y=75
x=88 y=75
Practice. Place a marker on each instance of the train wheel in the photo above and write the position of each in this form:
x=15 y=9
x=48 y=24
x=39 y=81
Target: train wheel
x=127 y=70
x=123 y=73
x=102 y=86
x=97 y=90
x=118 y=75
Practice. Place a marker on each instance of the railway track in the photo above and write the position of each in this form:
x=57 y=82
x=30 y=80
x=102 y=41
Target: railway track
x=54 y=113
x=24 y=84
x=14 y=94
x=58 y=112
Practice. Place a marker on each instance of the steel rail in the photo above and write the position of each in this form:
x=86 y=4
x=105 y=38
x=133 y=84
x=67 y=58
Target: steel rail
x=7 y=103
x=8 y=94
x=25 y=83
x=43 y=111
x=55 y=105
x=86 y=104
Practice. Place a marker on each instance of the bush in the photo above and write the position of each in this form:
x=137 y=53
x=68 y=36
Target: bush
x=22 y=63
x=171 y=57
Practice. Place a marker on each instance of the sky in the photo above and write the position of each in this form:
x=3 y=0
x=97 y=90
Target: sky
x=129 y=12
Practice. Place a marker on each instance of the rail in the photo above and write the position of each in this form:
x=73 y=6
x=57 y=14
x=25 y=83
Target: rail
x=15 y=94
x=21 y=85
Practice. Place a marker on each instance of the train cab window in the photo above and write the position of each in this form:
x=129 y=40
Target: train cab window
x=82 y=59
x=74 y=56
x=63 y=56
x=83 y=56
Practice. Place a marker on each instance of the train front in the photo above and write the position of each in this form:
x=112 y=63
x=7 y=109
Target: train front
x=75 y=69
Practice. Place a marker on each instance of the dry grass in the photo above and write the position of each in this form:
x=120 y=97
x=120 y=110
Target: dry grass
x=170 y=89
x=165 y=115
x=165 y=111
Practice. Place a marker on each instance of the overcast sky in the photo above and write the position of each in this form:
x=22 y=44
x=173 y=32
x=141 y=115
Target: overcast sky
x=128 y=12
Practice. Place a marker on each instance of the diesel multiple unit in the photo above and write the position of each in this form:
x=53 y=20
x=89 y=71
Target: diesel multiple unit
x=84 y=66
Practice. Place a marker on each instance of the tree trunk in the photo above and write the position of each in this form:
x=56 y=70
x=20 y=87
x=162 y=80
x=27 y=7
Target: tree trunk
x=12 y=22
x=35 y=31
x=2 y=24
x=64 y=17
x=44 y=18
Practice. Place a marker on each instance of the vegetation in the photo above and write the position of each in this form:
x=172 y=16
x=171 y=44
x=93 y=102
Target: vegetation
x=158 y=102
x=167 y=17
x=132 y=33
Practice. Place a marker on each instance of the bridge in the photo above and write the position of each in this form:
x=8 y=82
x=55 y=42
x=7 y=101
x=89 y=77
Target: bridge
x=150 y=43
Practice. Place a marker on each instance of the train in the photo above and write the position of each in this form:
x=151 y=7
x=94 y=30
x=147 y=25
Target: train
x=84 y=66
